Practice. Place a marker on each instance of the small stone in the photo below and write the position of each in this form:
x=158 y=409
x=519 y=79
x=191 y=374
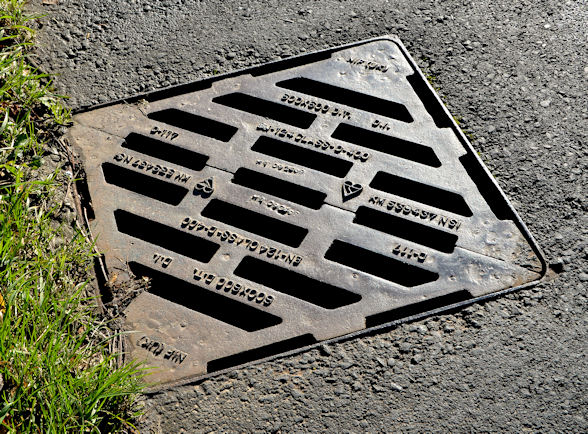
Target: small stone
x=296 y=394
x=395 y=386
x=231 y=55
x=421 y=329
x=404 y=347
x=416 y=359
x=545 y=103
x=264 y=415
x=269 y=398
x=583 y=277
x=282 y=378
x=448 y=328
x=326 y=350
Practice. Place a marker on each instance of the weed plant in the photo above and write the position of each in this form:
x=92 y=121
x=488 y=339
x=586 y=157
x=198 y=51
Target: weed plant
x=56 y=371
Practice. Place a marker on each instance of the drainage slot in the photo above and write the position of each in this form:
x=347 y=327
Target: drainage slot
x=195 y=123
x=267 y=109
x=406 y=229
x=429 y=100
x=295 y=284
x=378 y=265
x=296 y=343
x=486 y=187
x=278 y=187
x=143 y=184
x=348 y=97
x=201 y=300
x=416 y=308
x=268 y=227
x=164 y=236
x=305 y=157
x=387 y=144
x=423 y=193
x=165 y=151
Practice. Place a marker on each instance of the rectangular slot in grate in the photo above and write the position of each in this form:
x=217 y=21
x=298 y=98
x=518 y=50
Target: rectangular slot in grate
x=416 y=308
x=195 y=123
x=387 y=144
x=213 y=304
x=295 y=284
x=261 y=353
x=143 y=184
x=278 y=187
x=262 y=225
x=164 y=236
x=407 y=229
x=423 y=193
x=348 y=97
x=379 y=265
x=165 y=151
x=267 y=109
x=302 y=156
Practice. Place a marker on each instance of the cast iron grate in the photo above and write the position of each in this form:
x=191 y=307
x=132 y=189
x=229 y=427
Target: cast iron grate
x=292 y=203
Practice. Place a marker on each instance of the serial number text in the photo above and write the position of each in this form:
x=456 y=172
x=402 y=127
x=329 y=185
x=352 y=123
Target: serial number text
x=233 y=287
x=315 y=106
x=323 y=145
x=236 y=239
x=280 y=167
x=408 y=253
x=159 y=349
x=408 y=210
x=155 y=169
x=273 y=205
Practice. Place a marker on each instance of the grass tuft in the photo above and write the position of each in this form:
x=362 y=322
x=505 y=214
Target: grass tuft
x=57 y=370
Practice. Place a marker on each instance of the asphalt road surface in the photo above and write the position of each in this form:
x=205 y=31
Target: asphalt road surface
x=515 y=73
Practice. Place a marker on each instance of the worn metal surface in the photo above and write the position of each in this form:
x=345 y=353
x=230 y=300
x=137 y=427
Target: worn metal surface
x=293 y=203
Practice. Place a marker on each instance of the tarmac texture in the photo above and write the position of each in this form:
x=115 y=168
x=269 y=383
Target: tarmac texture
x=515 y=75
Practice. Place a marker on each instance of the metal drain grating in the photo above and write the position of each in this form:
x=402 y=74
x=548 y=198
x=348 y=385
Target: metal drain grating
x=296 y=202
